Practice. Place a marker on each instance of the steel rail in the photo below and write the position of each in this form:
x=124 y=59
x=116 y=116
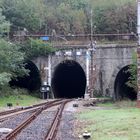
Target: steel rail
x=55 y=124
x=19 y=128
x=24 y=108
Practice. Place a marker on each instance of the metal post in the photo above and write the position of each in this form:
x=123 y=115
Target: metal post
x=87 y=67
x=91 y=26
x=138 y=21
x=43 y=95
x=138 y=52
x=49 y=70
x=92 y=76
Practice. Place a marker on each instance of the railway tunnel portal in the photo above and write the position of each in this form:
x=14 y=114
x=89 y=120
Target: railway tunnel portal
x=77 y=70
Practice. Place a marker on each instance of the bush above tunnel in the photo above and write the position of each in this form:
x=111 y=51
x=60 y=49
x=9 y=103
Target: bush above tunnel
x=36 y=47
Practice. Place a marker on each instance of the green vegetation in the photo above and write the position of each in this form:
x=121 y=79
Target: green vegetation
x=4 y=25
x=111 y=124
x=35 y=47
x=119 y=104
x=11 y=63
x=18 y=97
x=70 y=16
x=133 y=74
x=19 y=100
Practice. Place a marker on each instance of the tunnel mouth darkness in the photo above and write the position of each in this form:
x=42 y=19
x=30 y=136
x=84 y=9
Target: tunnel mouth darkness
x=122 y=90
x=31 y=82
x=69 y=80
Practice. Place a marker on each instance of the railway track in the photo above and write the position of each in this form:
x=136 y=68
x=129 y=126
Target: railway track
x=54 y=127
x=51 y=132
x=8 y=112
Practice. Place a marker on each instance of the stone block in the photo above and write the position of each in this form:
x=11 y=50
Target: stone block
x=139 y=81
x=138 y=55
x=138 y=50
x=138 y=103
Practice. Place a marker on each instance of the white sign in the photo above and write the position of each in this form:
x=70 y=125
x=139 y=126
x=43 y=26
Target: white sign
x=69 y=53
x=78 y=53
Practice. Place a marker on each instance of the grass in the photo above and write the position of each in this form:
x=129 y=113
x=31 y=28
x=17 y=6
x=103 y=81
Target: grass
x=114 y=124
x=22 y=100
x=119 y=104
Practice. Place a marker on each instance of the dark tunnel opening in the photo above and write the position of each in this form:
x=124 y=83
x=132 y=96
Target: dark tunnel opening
x=69 y=80
x=32 y=81
x=122 y=90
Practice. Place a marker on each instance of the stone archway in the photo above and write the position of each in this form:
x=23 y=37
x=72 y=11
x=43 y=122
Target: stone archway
x=69 y=80
x=32 y=81
x=113 y=79
x=121 y=89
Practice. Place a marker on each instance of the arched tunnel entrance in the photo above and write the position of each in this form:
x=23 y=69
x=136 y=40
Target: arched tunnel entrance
x=69 y=80
x=32 y=81
x=122 y=90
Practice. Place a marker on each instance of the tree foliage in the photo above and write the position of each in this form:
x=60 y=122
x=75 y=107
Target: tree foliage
x=36 y=47
x=11 y=61
x=71 y=16
x=133 y=74
x=4 y=25
x=24 y=13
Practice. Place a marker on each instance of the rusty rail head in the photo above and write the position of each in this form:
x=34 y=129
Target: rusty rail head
x=55 y=124
x=11 y=135
x=10 y=111
x=26 y=108
x=18 y=129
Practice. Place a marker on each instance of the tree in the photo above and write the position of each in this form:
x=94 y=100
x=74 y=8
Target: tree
x=24 y=14
x=65 y=19
x=70 y=16
x=11 y=62
x=36 y=47
x=4 y=25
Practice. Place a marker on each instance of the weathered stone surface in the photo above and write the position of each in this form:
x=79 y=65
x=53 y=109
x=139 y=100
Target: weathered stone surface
x=109 y=60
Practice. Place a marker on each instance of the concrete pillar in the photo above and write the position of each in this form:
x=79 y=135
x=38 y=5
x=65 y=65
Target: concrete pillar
x=87 y=73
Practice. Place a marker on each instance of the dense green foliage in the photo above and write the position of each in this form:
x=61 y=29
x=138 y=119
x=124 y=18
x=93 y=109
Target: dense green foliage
x=133 y=78
x=11 y=64
x=4 y=25
x=71 y=16
x=13 y=56
x=133 y=74
x=25 y=14
x=35 y=47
